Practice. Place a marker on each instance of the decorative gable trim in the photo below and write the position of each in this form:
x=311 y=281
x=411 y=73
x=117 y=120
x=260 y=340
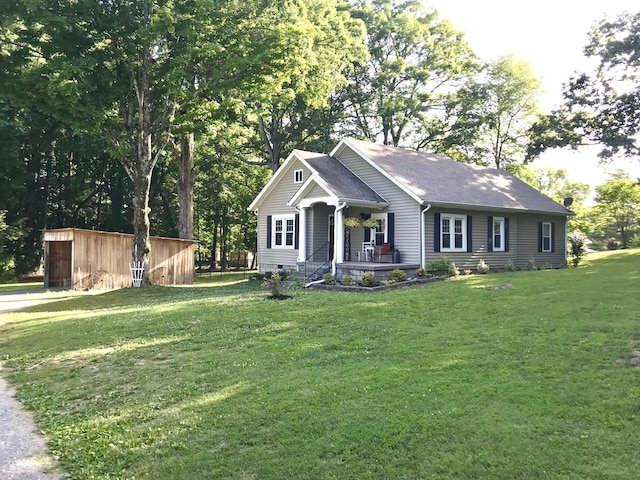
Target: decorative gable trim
x=347 y=143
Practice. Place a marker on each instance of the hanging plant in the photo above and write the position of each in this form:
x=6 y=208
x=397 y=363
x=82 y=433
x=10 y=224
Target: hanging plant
x=370 y=223
x=351 y=222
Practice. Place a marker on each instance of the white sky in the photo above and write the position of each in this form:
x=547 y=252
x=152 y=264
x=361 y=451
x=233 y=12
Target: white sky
x=551 y=36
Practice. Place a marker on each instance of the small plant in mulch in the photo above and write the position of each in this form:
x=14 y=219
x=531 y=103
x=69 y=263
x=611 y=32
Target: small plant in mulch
x=398 y=275
x=509 y=266
x=369 y=279
x=274 y=283
x=329 y=279
x=483 y=267
x=348 y=281
x=420 y=272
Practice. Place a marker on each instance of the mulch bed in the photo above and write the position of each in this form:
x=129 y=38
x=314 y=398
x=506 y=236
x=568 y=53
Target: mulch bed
x=358 y=288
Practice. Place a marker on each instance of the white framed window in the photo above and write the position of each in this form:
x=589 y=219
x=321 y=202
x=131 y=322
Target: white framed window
x=453 y=233
x=546 y=237
x=498 y=234
x=298 y=176
x=379 y=232
x=283 y=231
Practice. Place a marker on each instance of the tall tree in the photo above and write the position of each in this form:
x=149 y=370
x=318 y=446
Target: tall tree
x=603 y=107
x=489 y=116
x=415 y=61
x=618 y=205
x=298 y=110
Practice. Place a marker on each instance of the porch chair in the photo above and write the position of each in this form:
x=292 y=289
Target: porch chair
x=367 y=253
x=381 y=251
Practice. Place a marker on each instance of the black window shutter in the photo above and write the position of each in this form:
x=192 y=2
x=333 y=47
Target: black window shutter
x=436 y=232
x=553 y=237
x=469 y=239
x=490 y=234
x=268 y=231
x=539 y=236
x=296 y=232
x=367 y=231
x=390 y=228
x=506 y=234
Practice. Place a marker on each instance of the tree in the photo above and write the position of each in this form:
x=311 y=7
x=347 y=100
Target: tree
x=415 y=61
x=618 y=205
x=491 y=114
x=604 y=107
x=298 y=110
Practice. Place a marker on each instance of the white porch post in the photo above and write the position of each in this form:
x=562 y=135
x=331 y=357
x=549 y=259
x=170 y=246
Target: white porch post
x=302 y=235
x=339 y=235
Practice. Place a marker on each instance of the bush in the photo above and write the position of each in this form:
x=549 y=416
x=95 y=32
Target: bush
x=369 y=279
x=274 y=283
x=328 y=278
x=635 y=241
x=398 y=275
x=444 y=267
x=467 y=271
x=612 y=244
x=348 y=280
x=576 y=242
x=509 y=266
x=483 y=267
x=531 y=264
x=420 y=272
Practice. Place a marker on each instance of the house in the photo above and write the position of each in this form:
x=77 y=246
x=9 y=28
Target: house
x=422 y=205
x=90 y=259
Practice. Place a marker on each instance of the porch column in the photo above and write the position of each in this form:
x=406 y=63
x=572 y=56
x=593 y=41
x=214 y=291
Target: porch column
x=339 y=234
x=302 y=235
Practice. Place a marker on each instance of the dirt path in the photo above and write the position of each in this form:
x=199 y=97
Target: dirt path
x=19 y=299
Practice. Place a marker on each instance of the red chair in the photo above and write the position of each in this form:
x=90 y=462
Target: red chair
x=381 y=251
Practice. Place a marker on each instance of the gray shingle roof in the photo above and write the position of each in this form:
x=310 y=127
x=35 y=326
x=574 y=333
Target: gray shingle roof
x=339 y=179
x=440 y=180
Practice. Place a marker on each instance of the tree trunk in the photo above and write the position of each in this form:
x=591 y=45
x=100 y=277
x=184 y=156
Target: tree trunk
x=186 y=181
x=141 y=242
x=214 y=247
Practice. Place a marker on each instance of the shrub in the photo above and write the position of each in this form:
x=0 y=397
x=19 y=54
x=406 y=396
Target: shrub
x=483 y=267
x=348 y=280
x=531 y=264
x=612 y=244
x=576 y=242
x=635 y=241
x=274 y=283
x=466 y=271
x=328 y=278
x=444 y=267
x=420 y=272
x=398 y=275
x=509 y=266
x=369 y=279
x=390 y=281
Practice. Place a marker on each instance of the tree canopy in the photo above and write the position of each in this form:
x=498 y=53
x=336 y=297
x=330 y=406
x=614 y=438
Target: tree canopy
x=601 y=107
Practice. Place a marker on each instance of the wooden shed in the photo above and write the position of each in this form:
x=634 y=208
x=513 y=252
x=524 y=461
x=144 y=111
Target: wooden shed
x=86 y=259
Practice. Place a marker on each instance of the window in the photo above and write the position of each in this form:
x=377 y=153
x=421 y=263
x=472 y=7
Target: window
x=379 y=232
x=453 y=233
x=298 y=176
x=498 y=235
x=283 y=231
x=546 y=243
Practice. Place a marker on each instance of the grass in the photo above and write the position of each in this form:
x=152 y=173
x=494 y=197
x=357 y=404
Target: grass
x=448 y=380
x=19 y=286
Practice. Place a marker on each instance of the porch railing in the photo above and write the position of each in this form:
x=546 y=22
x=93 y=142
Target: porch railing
x=317 y=264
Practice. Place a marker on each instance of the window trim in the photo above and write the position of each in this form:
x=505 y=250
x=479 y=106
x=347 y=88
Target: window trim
x=298 y=176
x=543 y=237
x=285 y=230
x=451 y=217
x=385 y=220
x=502 y=234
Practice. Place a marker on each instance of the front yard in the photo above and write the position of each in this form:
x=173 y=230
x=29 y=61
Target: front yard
x=446 y=380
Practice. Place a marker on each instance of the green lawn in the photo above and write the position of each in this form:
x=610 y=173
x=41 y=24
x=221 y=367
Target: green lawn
x=448 y=380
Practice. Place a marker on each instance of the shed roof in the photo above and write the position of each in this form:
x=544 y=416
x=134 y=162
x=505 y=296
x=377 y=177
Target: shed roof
x=438 y=179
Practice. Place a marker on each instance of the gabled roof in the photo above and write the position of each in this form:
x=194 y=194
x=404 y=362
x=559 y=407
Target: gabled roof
x=331 y=175
x=338 y=179
x=436 y=179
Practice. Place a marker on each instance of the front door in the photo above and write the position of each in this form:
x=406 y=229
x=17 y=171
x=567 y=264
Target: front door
x=332 y=228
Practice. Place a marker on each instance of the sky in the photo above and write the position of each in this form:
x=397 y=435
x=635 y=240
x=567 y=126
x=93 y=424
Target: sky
x=551 y=36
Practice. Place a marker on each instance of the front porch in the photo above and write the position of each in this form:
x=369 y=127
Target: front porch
x=382 y=271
